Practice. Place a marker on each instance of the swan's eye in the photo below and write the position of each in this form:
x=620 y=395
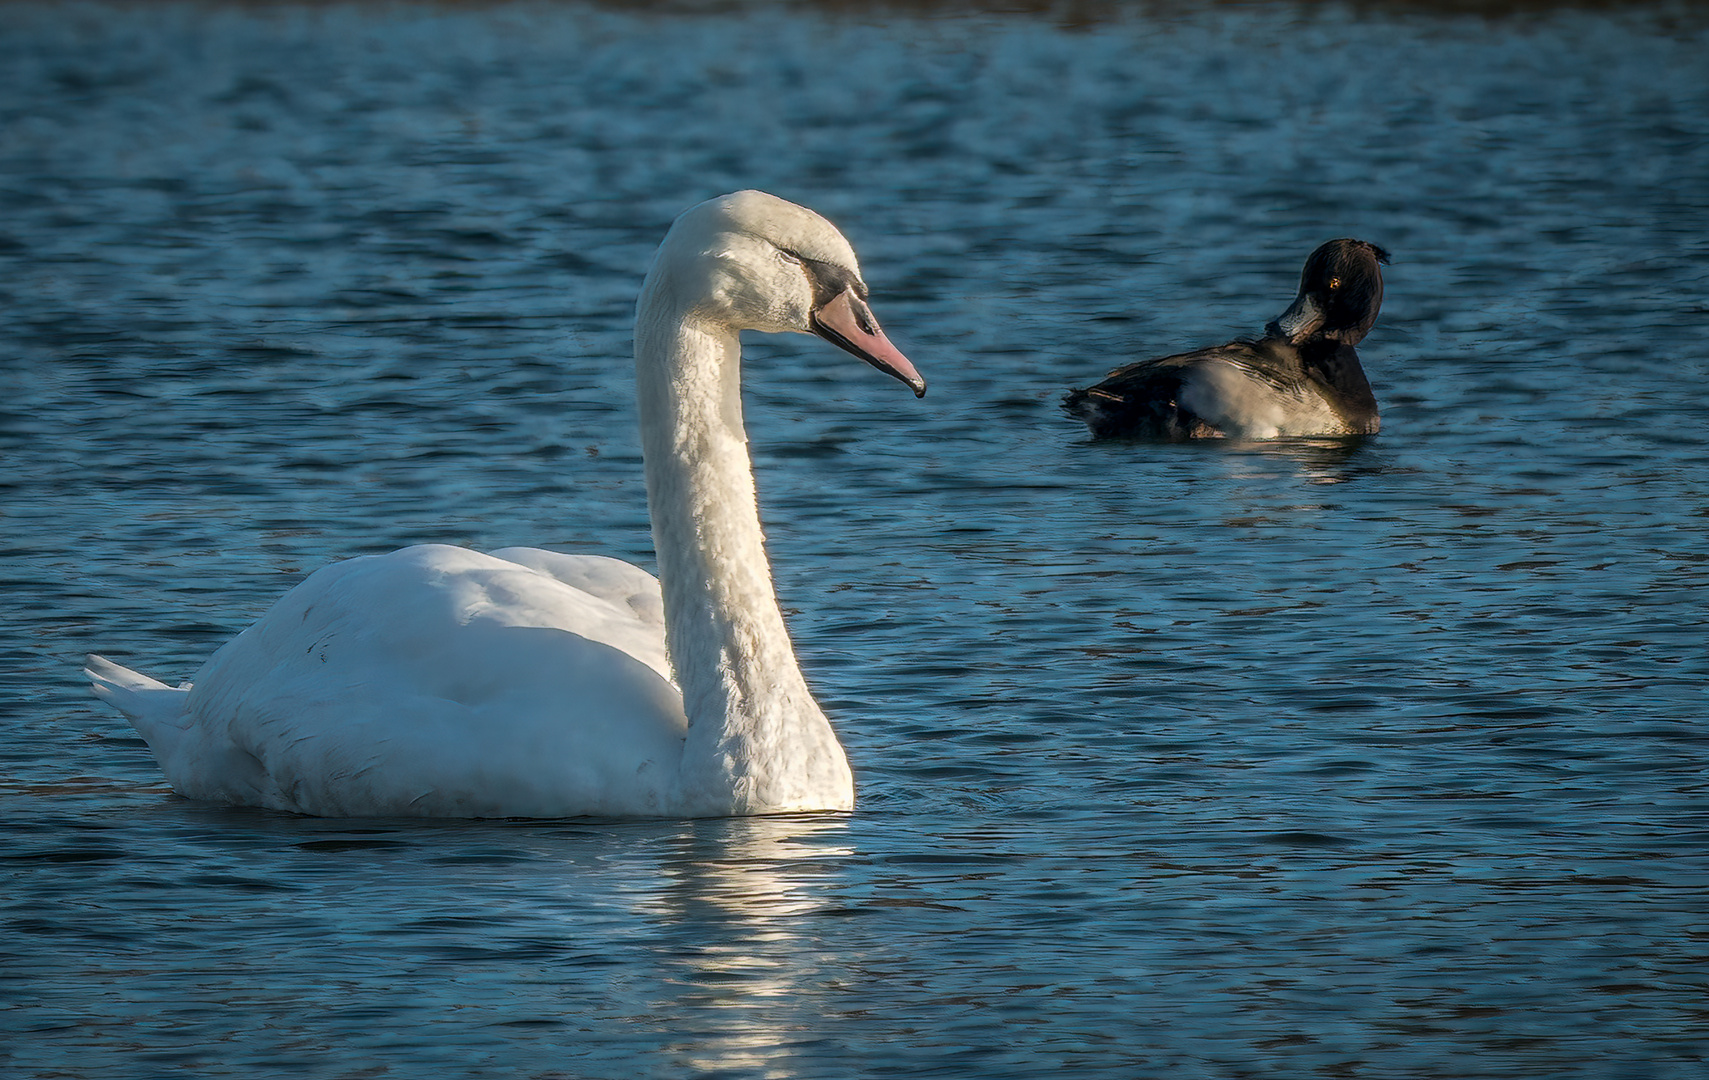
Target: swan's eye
x=788 y=258
x=1334 y=283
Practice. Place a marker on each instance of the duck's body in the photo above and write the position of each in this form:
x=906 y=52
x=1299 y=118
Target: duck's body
x=436 y=681
x=1264 y=389
x=1302 y=378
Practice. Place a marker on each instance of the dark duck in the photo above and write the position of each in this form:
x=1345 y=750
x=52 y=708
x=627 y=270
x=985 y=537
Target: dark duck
x=1301 y=378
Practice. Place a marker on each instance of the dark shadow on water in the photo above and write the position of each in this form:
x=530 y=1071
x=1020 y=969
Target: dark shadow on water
x=690 y=838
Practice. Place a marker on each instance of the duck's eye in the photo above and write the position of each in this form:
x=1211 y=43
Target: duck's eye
x=1334 y=283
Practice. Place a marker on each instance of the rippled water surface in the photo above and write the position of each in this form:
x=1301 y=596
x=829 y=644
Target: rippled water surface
x=1376 y=760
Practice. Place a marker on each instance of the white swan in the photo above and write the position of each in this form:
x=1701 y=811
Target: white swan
x=436 y=681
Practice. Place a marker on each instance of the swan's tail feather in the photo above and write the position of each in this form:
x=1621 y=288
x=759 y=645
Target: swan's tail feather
x=147 y=703
x=197 y=766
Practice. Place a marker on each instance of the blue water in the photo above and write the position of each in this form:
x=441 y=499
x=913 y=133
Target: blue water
x=1383 y=759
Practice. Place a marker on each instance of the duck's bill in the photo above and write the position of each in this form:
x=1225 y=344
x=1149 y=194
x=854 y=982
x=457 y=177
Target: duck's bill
x=847 y=323
x=1299 y=322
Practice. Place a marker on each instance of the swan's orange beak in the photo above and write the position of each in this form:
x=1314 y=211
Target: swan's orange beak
x=847 y=323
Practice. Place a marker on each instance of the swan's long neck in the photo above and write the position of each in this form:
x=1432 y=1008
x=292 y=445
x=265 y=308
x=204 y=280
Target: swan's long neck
x=756 y=737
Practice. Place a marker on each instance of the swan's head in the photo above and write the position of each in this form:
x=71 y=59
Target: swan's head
x=1341 y=290
x=758 y=262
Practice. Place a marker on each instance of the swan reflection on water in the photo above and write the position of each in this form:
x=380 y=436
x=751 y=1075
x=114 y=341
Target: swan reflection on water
x=736 y=931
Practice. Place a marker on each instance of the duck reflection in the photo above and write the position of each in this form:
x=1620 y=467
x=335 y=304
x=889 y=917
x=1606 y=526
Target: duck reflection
x=1317 y=460
x=1325 y=460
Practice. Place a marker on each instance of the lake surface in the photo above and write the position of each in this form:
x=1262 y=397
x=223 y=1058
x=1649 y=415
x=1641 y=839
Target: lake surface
x=1313 y=759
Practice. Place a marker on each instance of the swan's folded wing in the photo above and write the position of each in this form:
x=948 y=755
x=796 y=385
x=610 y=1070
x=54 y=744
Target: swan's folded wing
x=488 y=688
x=597 y=575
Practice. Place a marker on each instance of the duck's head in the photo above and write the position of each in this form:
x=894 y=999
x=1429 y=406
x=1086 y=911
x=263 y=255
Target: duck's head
x=1341 y=290
x=758 y=262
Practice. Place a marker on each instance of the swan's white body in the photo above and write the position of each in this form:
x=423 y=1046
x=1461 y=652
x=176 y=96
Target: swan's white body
x=437 y=681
